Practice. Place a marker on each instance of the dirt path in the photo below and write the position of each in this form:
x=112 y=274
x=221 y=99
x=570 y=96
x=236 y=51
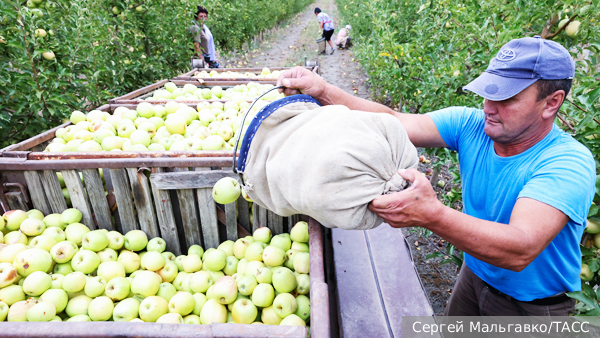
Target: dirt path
x=289 y=45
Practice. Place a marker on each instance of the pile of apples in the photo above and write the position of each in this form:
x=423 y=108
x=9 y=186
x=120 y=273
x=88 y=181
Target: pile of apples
x=265 y=74
x=54 y=268
x=174 y=126
x=237 y=93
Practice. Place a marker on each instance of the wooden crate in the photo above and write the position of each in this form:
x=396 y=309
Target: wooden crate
x=189 y=76
x=139 y=95
x=166 y=194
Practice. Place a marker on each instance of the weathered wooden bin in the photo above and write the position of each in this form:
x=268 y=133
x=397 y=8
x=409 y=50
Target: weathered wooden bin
x=166 y=194
x=189 y=76
x=139 y=95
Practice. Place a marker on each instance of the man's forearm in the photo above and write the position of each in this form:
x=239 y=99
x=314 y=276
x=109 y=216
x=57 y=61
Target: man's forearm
x=335 y=95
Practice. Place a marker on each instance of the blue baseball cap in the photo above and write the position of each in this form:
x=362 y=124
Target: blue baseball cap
x=519 y=64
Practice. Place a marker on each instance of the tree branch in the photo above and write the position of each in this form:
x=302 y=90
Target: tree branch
x=562 y=28
x=565 y=122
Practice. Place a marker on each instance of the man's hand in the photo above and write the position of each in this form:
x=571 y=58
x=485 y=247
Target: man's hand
x=299 y=80
x=415 y=206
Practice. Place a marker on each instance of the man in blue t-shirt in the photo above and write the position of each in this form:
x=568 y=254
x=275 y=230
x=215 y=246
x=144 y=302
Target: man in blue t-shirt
x=527 y=185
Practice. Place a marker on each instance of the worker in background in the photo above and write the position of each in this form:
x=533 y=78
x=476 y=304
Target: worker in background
x=343 y=37
x=204 y=43
x=326 y=26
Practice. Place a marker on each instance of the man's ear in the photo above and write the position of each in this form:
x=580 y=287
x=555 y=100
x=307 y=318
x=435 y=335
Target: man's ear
x=552 y=104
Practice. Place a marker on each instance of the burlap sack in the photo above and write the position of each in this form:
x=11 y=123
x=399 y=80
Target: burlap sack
x=326 y=162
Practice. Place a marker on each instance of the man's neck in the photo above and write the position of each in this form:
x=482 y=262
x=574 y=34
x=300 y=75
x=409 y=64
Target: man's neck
x=520 y=146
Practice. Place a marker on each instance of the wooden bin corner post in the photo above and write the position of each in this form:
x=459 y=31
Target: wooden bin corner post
x=164 y=213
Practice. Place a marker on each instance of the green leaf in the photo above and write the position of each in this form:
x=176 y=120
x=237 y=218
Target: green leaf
x=582 y=297
x=594 y=265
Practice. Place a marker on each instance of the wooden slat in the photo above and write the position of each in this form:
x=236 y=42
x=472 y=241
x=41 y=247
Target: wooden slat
x=361 y=311
x=124 y=200
x=260 y=217
x=16 y=200
x=208 y=218
x=190 y=179
x=140 y=91
x=231 y=221
x=143 y=202
x=95 y=190
x=275 y=222
x=78 y=196
x=241 y=232
x=166 y=219
x=187 y=206
x=53 y=191
x=36 y=192
x=244 y=213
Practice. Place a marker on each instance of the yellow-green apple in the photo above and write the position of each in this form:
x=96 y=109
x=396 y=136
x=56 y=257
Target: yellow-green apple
x=144 y=109
x=107 y=255
x=178 y=261
x=118 y=288
x=74 y=282
x=57 y=280
x=77 y=116
x=14 y=237
x=8 y=274
x=200 y=281
x=73 y=145
x=213 y=312
x=58 y=297
x=176 y=124
x=226 y=190
x=12 y=294
x=303 y=284
x=37 y=283
x=284 y=280
x=178 y=281
x=70 y=216
x=41 y=312
x=78 y=305
x=586 y=274
x=244 y=311
x=101 y=309
x=135 y=240
x=227 y=246
x=152 y=308
x=9 y=252
x=263 y=295
x=273 y=255
x=301 y=247
x=28 y=261
x=75 y=232
x=262 y=234
x=268 y=316
x=62 y=252
x=299 y=232
x=14 y=218
x=215 y=260
x=284 y=305
x=182 y=303
x=115 y=240
x=62 y=269
x=302 y=262
x=241 y=267
x=252 y=267
x=34 y=213
x=95 y=114
x=282 y=242
x=192 y=263
x=239 y=248
x=166 y=290
x=79 y=318
x=85 y=261
x=254 y=251
x=246 y=285
x=95 y=286
x=264 y=275
x=289 y=262
x=153 y=261
x=168 y=272
x=111 y=269
x=231 y=263
x=94 y=240
x=55 y=233
x=145 y=284
x=43 y=242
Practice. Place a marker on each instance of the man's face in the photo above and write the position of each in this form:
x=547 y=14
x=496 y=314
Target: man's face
x=202 y=17
x=513 y=119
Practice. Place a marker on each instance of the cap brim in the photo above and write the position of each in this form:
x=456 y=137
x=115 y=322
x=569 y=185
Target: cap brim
x=497 y=88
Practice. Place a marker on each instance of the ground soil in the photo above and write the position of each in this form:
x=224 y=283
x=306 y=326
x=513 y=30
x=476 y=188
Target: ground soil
x=290 y=44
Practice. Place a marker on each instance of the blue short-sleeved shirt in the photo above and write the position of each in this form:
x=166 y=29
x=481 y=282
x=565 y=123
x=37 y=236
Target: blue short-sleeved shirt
x=558 y=171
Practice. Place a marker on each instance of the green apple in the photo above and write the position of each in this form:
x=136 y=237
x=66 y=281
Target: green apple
x=57 y=233
x=252 y=268
x=57 y=280
x=85 y=261
x=213 y=142
x=247 y=284
x=284 y=305
x=299 y=232
x=115 y=240
x=75 y=232
x=8 y=253
x=199 y=301
x=239 y=248
x=153 y=261
x=152 y=308
x=62 y=268
x=284 y=280
x=95 y=287
x=34 y=213
x=178 y=281
x=74 y=282
x=77 y=116
x=41 y=312
x=63 y=252
x=107 y=255
x=170 y=86
x=31 y=260
x=42 y=242
x=12 y=294
x=166 y=290
x=117 y=288
x=103 y=133
x=156 y=244
x=262 y=234
x=273 y=255
x=14 y=218
x=263 y=295
x=196 y=249
x=226 y=190
x=200 y=281
x=94 y=241
x=101 y=309
x=145 y=109
x=79 y=318
x=268 y=316
x=15 y=237
x=215 y=260
x=53 y=220
x=185 y=283
x=264 y=275
x=231 y=264
x=291 y=254
x=125 y=130
x=112 y=142
x=58 y=297
x=586 y=274
x=169 y=256
x=303 y=287
x=73 y=145
x=37 y=283
x=301 y=247
x=254 y=251
x=244 y=311
x=170 y=318
x=126 y=310
x=8 y=274
x=78 y=306
x=146 y=284
x=281 y=241
x=213 y=312
x=225 y=290
x=227 y=247
x=111 y=269
x=18 y=311
x=191 y=319
x=182 y=303
x=176 y=124
x=168 y=272
x=135 y=240
x=179 y=262
x=241 y=267
x=302 y=262
x=292 y=320
x=89 y=146
x=192 y=263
